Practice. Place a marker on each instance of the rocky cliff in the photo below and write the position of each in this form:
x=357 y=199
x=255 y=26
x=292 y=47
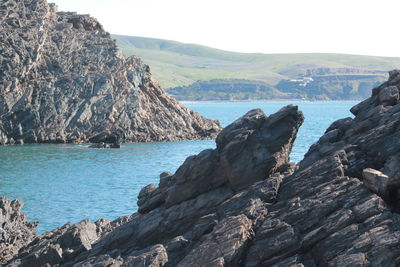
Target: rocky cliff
x=245 y=204
x=63 y=79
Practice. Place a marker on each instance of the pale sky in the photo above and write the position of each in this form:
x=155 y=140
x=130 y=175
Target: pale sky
x=267 y=26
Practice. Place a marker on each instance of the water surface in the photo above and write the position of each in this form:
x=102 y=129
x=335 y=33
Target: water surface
x=61 y=183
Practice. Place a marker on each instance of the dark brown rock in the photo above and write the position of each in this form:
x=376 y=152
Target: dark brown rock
x=63 y=79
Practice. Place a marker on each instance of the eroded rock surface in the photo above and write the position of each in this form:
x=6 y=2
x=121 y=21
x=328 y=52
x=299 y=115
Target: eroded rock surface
x=245 y=204
x=63 y=79
x=212 y=224
x=338 y=207
x=15 y=231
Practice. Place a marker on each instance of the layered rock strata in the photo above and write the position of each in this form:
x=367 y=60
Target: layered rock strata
x=206 y=203
x=338 y=207
x=244 y=204
x=63 y=79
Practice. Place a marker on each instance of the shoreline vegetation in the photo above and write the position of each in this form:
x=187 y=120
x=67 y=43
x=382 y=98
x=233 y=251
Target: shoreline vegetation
x=265 y=100
x=195 y=72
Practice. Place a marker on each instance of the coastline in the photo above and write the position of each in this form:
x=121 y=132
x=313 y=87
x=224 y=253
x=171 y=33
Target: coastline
x=266 y=100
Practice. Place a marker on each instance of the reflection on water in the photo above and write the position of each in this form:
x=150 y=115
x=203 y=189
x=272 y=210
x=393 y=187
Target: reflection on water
x=61 y=183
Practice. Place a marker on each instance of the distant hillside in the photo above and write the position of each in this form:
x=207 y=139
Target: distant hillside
x=334 y=76
x=226 y=89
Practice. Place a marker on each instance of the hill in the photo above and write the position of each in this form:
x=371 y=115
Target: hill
x=334 y=76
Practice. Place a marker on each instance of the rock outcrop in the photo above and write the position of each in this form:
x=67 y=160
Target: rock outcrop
x=15 y=231
x=245 y=204
x=206 y=204
x=63 y=79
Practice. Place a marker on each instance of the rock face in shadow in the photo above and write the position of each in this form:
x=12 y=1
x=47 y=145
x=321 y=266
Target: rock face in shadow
x=62 y=79
x=244 y=204
x=206 y=205
x=15 y=231
x=250 y=207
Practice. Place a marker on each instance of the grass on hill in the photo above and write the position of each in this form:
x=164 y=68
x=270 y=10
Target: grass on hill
x=177 y=64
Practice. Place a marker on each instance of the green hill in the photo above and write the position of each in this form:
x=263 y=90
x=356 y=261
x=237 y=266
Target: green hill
x=181 y=65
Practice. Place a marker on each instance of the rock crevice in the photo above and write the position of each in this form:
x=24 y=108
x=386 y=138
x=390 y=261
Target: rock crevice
x=64 y=80
x=241 y=204
x=245 y=204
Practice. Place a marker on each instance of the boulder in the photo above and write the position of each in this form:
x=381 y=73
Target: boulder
x=376 y=181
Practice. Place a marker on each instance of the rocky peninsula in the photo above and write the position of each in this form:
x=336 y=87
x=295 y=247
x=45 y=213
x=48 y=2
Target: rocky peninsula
x=245 y=204
x=63 y=79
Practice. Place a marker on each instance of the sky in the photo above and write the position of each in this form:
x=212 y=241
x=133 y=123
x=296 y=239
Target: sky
x=362 y=27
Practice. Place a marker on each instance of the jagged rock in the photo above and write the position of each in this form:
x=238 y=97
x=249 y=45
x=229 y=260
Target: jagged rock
x=244 y=204
x=63 y=79
x=149 y=198
x=154 y=256
x=375 y=181
x=3 y=138
x=65 y=243
x=224 y=245
x=318 y=213
x=255 y=145
x=218 y=215
x=15 y=231
x=248 y=150
x=389 y=95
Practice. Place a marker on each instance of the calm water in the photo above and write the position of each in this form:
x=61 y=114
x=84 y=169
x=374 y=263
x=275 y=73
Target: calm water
x=61 y=183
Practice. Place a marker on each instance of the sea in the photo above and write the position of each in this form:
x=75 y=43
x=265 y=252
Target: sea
x=62 y=183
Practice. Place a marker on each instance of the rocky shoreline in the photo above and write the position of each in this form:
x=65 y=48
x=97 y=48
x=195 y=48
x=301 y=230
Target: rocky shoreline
x=63 y=80
x=245 y=204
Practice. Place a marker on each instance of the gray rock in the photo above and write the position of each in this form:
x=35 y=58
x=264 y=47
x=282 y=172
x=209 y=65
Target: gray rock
x=15 y=231
x=154 y=256
x=248 y=150
x=375 y=181
x=64 y=80
x=243 y=203
x=389 y=95
x=224 y=245
x=65 y=243
x=99 y=145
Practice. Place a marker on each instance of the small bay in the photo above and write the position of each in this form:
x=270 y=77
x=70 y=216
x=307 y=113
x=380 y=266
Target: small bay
x=60 y=183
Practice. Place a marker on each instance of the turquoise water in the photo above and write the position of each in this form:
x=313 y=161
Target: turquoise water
x=61 y=183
